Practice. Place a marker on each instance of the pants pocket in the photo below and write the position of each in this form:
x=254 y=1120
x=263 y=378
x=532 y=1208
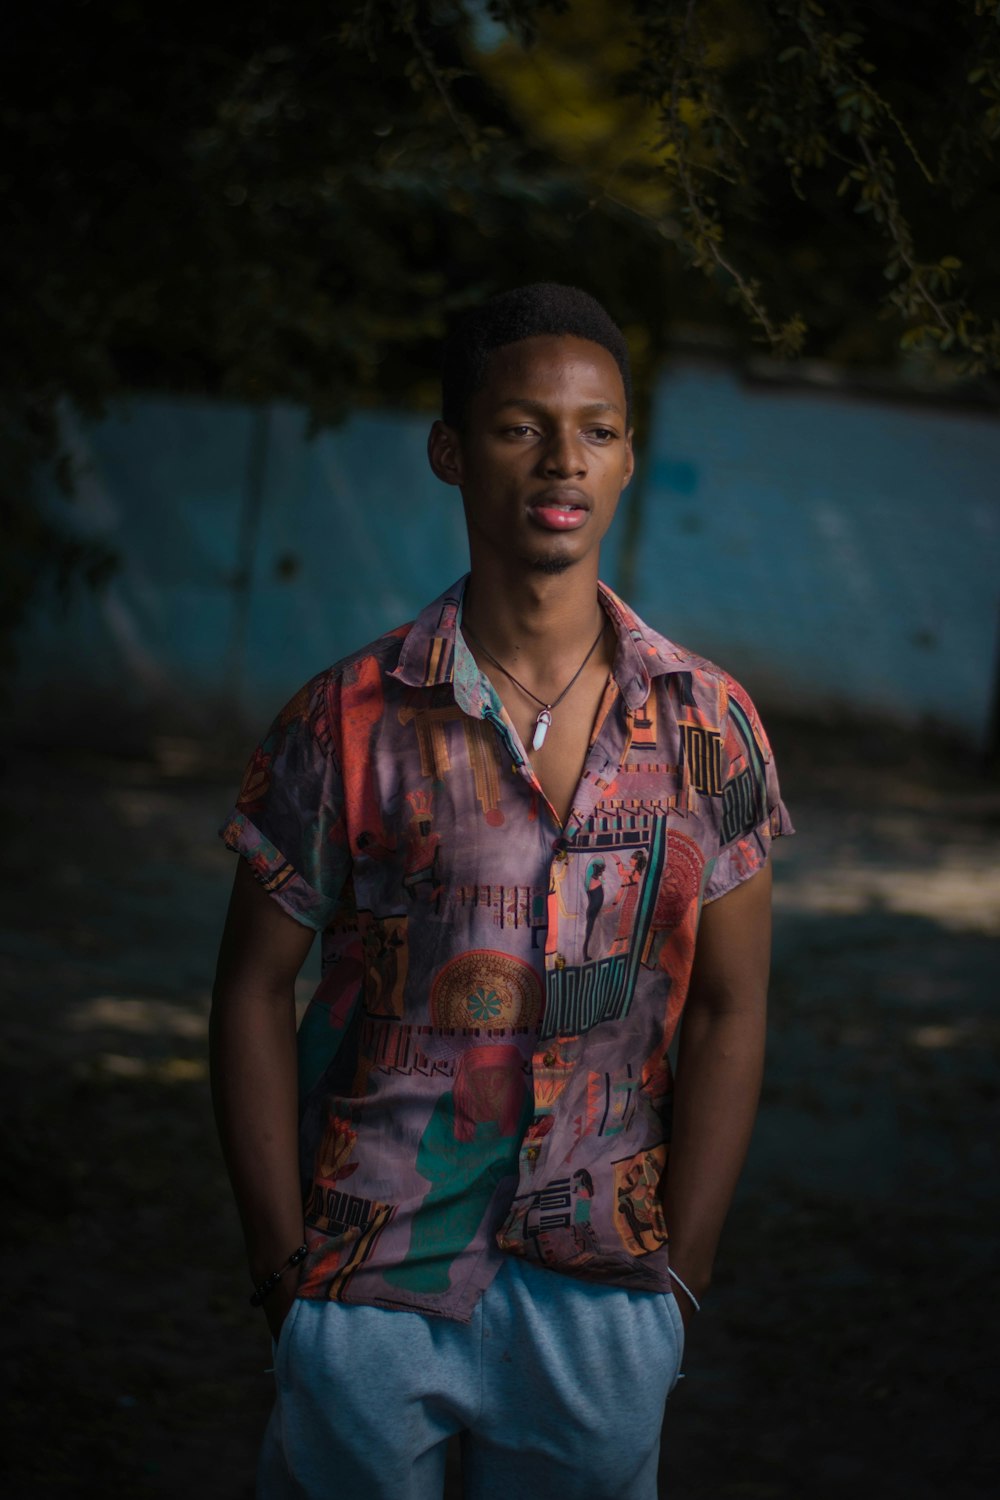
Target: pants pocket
x=279 y=1350
x=677 y=1324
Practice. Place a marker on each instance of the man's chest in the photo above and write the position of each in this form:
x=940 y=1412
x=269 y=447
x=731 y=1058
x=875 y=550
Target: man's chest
x=472 y=890
x=553 y=741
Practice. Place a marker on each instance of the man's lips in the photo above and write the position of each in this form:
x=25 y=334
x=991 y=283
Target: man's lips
x=560 y=510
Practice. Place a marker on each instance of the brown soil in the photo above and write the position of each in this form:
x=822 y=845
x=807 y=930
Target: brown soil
x=848 y=1346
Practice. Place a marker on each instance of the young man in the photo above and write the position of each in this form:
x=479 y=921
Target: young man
x=531 y=832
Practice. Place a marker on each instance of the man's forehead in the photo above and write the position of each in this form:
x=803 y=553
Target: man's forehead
x=516 y=372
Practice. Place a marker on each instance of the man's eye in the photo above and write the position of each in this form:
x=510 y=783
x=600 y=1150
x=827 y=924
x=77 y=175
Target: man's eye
x=603 y=434
x=521 y=430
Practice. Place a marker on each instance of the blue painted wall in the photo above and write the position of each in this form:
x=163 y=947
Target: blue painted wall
x=835 y=551
x=831 y=551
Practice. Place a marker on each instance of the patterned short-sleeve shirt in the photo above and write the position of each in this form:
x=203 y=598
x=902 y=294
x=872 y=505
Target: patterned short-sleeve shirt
x=483 y=1069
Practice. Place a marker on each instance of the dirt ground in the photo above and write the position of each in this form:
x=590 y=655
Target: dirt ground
x=849 y=1344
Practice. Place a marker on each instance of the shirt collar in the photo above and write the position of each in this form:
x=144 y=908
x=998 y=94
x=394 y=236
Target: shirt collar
x=435 y=652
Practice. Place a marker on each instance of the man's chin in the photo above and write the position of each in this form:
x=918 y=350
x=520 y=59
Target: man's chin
x=550 y=564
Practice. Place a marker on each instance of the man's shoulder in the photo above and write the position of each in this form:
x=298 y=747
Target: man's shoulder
x=381 y=654
x=708 y=688
x=663 y=655
x=318 y=702
x=417 y=653
x=719 y=683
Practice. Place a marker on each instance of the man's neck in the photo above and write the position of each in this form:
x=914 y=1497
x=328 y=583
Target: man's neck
x=540 y=622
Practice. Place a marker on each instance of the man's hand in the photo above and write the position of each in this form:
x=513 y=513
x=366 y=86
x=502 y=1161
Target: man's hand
x=278 y=1304
x=684 y=1303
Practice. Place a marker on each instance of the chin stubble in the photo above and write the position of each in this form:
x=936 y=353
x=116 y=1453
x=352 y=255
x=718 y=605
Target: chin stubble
x=551 y=565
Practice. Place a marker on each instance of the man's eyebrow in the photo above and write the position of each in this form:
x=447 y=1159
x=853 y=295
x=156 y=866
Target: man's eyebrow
x=526 y=403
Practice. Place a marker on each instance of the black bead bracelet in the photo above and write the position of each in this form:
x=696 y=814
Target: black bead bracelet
x=268 y=1285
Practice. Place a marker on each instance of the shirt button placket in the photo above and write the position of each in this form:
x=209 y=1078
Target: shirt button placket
x=559 y=847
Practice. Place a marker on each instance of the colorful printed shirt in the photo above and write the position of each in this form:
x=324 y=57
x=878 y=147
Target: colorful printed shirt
x=483 y=1068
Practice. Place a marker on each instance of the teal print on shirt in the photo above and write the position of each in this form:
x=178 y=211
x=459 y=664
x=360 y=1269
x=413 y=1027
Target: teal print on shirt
x=470 y=1144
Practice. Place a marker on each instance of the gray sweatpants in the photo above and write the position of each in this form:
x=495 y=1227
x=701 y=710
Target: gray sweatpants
x=557 y=1386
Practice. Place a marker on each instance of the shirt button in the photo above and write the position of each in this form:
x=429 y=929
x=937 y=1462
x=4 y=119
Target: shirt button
x=561 y=856
x=559 y=961
x=549 y=1059
x=531 y=1152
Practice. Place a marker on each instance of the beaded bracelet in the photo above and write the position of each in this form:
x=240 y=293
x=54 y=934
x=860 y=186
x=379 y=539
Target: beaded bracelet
x=268 y=1285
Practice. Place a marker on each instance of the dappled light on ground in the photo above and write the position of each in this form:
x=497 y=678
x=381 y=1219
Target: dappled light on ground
x=962 y=894
x=144 y=1017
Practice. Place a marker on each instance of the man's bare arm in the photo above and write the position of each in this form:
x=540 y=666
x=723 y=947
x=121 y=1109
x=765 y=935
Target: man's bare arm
x=254 y=1076
x=719 y=1069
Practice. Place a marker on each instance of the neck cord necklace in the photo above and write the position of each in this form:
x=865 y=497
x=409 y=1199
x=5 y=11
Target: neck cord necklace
x=544 y=719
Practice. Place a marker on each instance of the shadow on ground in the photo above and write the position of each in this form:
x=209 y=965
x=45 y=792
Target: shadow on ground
x=848 y=1346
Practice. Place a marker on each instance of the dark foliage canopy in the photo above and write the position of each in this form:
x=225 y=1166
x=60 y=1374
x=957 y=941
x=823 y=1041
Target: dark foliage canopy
x=291 y=201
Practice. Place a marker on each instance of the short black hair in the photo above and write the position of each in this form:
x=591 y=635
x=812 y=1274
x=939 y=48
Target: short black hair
x=543 y=308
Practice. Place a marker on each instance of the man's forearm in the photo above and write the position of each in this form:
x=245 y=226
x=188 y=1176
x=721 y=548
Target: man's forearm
x=719 y=1068
x=255 y=1094
x=719 y=1071
x=255 y=1077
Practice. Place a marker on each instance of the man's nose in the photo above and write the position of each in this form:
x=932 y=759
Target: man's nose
x=564 y=455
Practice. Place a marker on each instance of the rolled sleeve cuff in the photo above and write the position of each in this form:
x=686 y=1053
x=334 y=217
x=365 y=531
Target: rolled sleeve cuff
x=274 y=872
x=744 y=858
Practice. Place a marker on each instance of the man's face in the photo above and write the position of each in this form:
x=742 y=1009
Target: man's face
x=543 y=456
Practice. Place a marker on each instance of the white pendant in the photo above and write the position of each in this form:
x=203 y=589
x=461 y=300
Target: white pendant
x=541 y=729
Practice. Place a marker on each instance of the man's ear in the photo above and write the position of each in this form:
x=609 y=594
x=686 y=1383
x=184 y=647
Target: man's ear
x=444 y=450
x=629 y=458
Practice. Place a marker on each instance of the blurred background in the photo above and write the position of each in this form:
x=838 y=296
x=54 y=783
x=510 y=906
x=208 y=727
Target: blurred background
x=232 y=244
